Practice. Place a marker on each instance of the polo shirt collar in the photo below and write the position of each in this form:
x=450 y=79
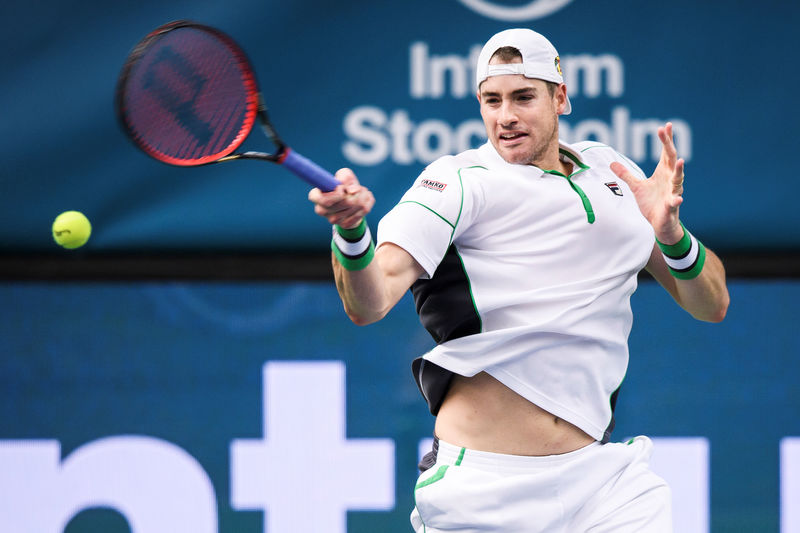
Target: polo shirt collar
x=565 y=151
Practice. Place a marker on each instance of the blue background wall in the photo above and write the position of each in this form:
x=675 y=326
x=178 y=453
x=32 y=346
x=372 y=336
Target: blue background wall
x=182 y=361
x=724 y=69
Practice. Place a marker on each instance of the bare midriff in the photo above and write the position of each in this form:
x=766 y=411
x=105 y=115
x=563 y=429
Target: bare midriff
x=480 y=413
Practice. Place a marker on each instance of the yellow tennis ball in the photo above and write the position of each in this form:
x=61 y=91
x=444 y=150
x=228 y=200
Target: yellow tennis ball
x=71 y=229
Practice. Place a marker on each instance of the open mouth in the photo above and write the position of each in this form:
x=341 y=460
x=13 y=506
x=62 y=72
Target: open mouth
x=512 y=137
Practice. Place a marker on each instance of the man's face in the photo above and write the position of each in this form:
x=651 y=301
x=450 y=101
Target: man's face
x=521 y=118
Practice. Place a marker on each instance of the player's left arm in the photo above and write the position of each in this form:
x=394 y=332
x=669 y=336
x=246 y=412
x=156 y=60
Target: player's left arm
x=691 y=273
x=705 y=296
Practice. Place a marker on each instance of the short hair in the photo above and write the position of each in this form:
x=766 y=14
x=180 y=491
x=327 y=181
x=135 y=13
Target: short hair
x=507 y=54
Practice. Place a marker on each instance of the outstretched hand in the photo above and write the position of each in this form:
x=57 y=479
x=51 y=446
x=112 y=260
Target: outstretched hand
x=347 y=204
x=660 y=196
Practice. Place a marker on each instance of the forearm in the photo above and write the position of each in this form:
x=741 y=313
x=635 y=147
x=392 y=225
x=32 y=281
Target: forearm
x=370 y=283
x=362 y=292
x=359 y=278
x=692 y=274
x=705 y=295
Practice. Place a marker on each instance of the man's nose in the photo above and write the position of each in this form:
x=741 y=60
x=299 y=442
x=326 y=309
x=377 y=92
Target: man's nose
x=507 y=116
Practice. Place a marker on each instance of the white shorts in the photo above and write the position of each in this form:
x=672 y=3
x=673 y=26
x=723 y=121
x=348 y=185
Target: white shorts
x=599 y=488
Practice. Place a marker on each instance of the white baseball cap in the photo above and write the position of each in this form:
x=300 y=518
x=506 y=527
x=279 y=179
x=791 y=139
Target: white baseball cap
x=539 y=58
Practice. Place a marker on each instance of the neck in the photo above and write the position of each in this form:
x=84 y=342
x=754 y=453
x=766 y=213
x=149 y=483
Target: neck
x=551 y=160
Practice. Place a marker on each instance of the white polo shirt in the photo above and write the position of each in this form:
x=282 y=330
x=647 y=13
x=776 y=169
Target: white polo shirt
x=528 y=273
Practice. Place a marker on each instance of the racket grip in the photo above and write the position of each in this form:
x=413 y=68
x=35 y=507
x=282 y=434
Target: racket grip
x=309 y=171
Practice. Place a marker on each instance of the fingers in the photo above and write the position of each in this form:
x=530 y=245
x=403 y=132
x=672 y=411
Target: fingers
x=347 y=204
x=676 y=198
x=677 y=177
x=623 y=173
x=352 y=209
x=348 y=178
x=668 y=153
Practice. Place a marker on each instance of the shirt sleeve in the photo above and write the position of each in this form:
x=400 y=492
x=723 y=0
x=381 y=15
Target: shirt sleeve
x=429 y=216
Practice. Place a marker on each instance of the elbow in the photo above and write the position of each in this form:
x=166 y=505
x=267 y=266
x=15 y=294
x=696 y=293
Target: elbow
x=362 y=318
x=722 y=311
x=718 y=313
x=718 y=316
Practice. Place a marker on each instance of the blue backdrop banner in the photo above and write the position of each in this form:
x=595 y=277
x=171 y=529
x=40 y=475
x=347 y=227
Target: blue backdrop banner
x=239 y=408
x=384 y=88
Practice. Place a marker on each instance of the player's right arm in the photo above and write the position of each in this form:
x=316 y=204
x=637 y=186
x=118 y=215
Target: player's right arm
x=367 y=293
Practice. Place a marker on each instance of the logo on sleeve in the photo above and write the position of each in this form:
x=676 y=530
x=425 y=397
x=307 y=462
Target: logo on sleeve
x=614 y=188
x=431 y=184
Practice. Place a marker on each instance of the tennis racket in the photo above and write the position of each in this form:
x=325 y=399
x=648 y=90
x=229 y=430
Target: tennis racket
x=187 y=96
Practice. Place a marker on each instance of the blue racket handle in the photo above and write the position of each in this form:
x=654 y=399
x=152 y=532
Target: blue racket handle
x=309 y=171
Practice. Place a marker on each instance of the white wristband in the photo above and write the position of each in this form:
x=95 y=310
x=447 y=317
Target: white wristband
x=353 y=248
x=685 y=262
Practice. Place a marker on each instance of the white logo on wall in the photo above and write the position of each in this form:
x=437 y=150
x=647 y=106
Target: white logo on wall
x=532 y=10
x=375 y=135
x=303 y=460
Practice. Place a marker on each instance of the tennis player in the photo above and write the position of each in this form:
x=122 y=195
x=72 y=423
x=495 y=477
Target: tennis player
x=522 y=256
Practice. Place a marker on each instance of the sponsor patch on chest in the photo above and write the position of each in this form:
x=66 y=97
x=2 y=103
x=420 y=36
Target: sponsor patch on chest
x=433 y=184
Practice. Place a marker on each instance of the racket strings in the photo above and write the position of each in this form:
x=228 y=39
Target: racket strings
x=189 y=97
x=175 y=83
